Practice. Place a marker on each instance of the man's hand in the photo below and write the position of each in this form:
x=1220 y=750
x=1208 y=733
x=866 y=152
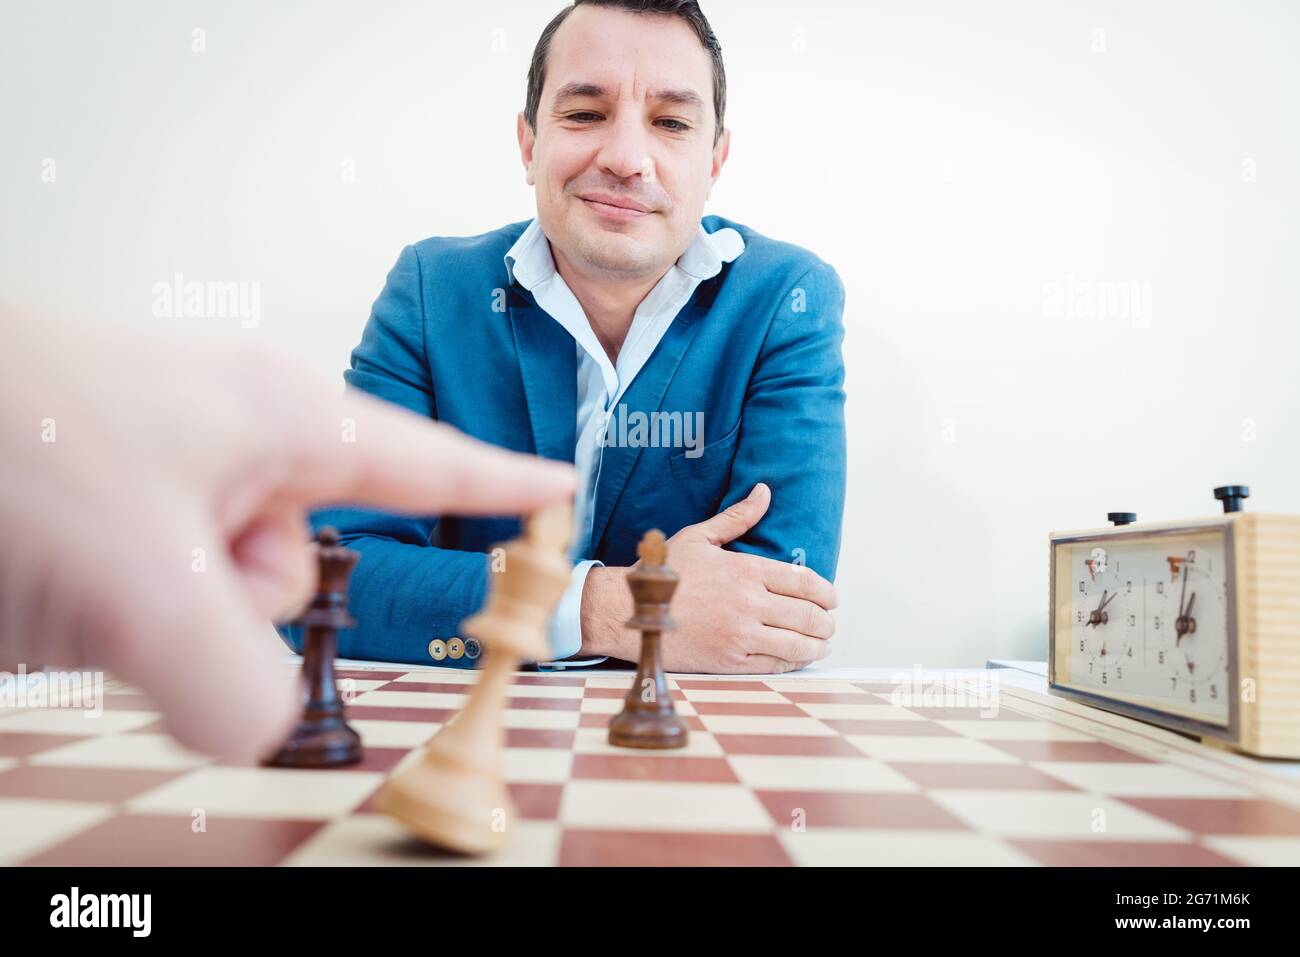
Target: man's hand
x=736 y=613
x=153 y=508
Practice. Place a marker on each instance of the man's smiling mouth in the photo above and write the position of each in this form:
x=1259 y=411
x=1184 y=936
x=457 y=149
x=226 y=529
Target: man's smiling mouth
x=615 y=207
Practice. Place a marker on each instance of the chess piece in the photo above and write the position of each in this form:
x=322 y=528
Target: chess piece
x=323 y=738
x=648 y=719
x=454 y=795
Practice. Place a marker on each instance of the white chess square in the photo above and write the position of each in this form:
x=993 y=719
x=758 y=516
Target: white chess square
x=659 y=805
x=1055 y=815
x=763 y=724
x=1139 y=779
x=784 y=773
x=147 y=751
x=914 y=747
x=28 y=827
x=374 y=840
x=291 y=793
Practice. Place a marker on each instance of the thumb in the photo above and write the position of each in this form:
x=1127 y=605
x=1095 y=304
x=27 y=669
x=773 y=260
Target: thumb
x=738 y=518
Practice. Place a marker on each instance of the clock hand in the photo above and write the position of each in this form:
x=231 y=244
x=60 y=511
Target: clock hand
x=1185 y=622
x=1184 y=592
x=1094 y=618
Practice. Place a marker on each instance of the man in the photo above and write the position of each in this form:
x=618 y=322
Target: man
x=681 y=363
x=153 y=505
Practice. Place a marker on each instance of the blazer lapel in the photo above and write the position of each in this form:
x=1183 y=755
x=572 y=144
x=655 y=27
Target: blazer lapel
x=646 y=394
x=548 y=367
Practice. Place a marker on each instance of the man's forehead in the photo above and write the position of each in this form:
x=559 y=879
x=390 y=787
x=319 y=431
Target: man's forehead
x=600 y=51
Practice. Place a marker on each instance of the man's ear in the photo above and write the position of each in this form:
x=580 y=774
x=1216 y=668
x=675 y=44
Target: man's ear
x=526 y=142
x=721 y=150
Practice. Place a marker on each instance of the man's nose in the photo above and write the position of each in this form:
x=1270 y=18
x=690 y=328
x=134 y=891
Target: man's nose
x=625 y=150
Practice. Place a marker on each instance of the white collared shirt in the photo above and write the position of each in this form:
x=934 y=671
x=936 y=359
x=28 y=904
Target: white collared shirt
x=602 y=383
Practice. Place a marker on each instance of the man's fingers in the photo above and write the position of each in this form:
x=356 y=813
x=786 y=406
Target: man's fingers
x=736 y=519
x=193 y=643
x=759 y=664
x=277 y=569
x=797 y=615
x=384 y=456
x=797 y=581
x=788 y=645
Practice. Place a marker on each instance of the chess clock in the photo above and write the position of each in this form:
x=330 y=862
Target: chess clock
x=1194 y=625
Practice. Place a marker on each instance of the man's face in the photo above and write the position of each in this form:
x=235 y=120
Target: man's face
x=623 y=156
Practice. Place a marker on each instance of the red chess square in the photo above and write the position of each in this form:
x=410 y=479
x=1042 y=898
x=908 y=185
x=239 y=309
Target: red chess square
x=536 y=802
x=81 y=784
x=991 y=777
x=750 y=708
x=1223 y=815
x=659 y=767
x=170 y=840
x=1121 y=854
x=382 y=760
x=545 y=704
x=540 y=738
x=843 y=809
x=1066 y=751
x=828 y=697
x=669 y=849
x=23 y=744
x=788 y=745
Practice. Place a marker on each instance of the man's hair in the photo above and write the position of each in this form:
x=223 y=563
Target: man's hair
x=688 y=10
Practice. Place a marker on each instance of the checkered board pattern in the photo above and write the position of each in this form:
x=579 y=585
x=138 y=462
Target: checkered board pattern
x=778 y=771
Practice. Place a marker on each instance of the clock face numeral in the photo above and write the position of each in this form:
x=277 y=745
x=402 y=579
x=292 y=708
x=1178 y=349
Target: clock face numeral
x=1149 y=619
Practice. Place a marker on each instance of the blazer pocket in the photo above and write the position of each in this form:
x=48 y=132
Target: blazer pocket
x=710 y=456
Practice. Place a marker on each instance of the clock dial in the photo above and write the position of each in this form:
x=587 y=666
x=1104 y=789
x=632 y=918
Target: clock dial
x=1103 y=611
x=1192 y=604
x=1148 y=620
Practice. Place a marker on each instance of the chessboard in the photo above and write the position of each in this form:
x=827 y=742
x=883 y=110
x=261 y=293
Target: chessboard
x=778 y=771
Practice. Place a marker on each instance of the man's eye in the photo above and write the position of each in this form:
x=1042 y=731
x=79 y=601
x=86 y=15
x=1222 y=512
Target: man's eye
x=677 y=125
x=584 y=117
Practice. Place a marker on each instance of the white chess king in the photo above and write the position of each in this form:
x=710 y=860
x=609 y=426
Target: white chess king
x=454 y=795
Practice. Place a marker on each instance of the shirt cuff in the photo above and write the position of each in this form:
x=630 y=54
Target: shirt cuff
x=565 y=627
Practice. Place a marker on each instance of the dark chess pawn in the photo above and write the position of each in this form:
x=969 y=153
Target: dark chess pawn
x=648 y=719
x=323 y=738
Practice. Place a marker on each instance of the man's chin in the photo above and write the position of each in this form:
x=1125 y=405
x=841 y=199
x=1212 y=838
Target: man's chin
x=616 y=252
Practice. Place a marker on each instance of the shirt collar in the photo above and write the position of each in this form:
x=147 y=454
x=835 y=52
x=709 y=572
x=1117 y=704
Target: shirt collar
x=529 y=260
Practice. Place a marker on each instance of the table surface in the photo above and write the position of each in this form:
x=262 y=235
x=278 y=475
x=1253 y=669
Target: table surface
x=831 y=765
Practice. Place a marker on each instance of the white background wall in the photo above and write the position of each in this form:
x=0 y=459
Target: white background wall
x=976 y=171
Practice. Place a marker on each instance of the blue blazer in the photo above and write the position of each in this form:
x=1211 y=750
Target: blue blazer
x=756 y=349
